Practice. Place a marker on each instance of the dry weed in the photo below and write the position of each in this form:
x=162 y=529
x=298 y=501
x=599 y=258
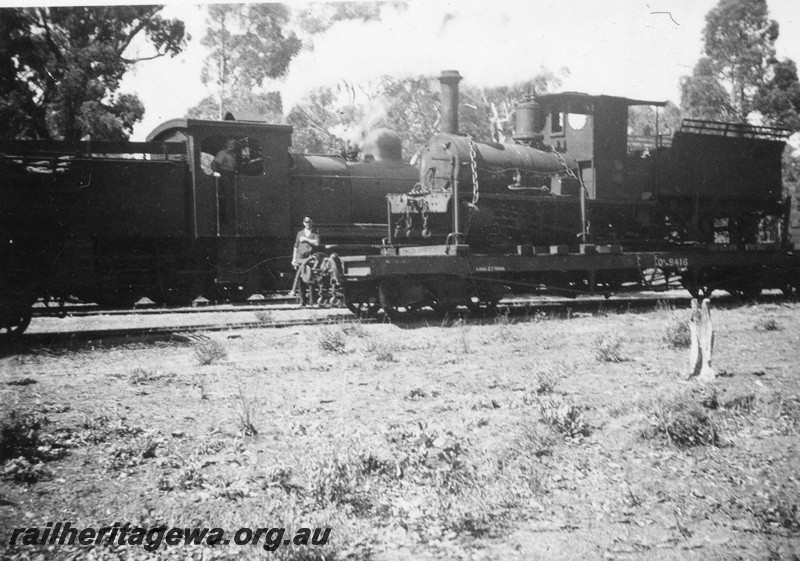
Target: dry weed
x=208 y=351
x=607 y=346
x=677 y=334
x=331 y=340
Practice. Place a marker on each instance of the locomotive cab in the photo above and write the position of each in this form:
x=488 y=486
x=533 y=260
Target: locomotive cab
x=594 y=131
x=253 y=199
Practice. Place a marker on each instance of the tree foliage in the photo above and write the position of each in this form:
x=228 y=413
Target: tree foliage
x=739 y=39
x=644 y=121
x=779 y=98
x=248 y=46
x=339 y=118
x=739 y=73
x=703 y=96
x=60 y=68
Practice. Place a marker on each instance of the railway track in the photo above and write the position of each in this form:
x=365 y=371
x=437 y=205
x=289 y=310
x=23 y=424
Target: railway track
x=43 y=337
x=84 y=310
x=173 y=325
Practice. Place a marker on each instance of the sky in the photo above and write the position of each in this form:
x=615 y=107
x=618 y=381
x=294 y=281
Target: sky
x=633 y=48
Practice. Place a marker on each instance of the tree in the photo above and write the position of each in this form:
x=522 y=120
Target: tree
x=266 y=106
x=488 y=113
x=60 y=68
x=642 y=120
x=703 y=96
x=739 y=44
x=248 y=46
x=778 y=100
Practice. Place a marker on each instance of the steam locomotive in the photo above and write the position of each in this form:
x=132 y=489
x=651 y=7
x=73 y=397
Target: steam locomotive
x=574 y=205
x=112 y=222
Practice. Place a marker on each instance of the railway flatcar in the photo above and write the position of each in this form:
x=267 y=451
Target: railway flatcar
x=574 y=205
x=112 y=222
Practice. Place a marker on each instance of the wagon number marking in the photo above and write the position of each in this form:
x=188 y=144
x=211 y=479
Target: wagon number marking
x=490 y=268
x=677 y=262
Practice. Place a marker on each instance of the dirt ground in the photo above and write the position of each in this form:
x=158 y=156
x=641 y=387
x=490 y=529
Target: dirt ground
x=543 y=435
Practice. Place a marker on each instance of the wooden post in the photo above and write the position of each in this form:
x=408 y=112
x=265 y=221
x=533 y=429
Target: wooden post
x=702 y=346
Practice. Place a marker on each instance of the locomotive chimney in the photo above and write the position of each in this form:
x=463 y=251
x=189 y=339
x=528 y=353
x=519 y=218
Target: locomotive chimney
x=449 y=81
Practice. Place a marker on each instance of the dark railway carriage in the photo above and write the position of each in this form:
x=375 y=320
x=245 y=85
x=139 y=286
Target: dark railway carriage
x=114 y=222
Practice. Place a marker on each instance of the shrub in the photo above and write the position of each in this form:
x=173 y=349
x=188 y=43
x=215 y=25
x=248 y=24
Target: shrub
x=336 y=480
x=141 y=376
x=685 y=425
x=23 y=471
x=382 y=351
x=19 y=435
x=606 y=347
x=677 y=334
x=462 y=340
x=264 y=316
x=767 y=324
x=247 y=408
x=207 y=351
x=355 y=328
x=778 y=512
x=566 y=418
x=546 y=381
x=331 y=340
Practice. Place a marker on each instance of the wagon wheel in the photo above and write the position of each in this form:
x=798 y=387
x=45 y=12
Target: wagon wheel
x=393 y=312
x=697 y=289
x=655 y=277
x=700 y=292
x=398 y=313
x=482 y=300
x=443 y=307
x=791 y=289
x=479 y=305
x=15 y=322
x=363 y=309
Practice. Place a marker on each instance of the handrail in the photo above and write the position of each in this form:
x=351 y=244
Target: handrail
x=740 y=130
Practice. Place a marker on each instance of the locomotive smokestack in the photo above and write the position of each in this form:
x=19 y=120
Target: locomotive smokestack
x=449 y=81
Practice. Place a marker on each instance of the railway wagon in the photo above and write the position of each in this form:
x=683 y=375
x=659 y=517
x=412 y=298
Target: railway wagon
x=112 y=222
x=575 y=205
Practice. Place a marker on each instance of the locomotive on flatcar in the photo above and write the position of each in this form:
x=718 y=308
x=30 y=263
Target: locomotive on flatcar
x=114 y=222
x=705 y=210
